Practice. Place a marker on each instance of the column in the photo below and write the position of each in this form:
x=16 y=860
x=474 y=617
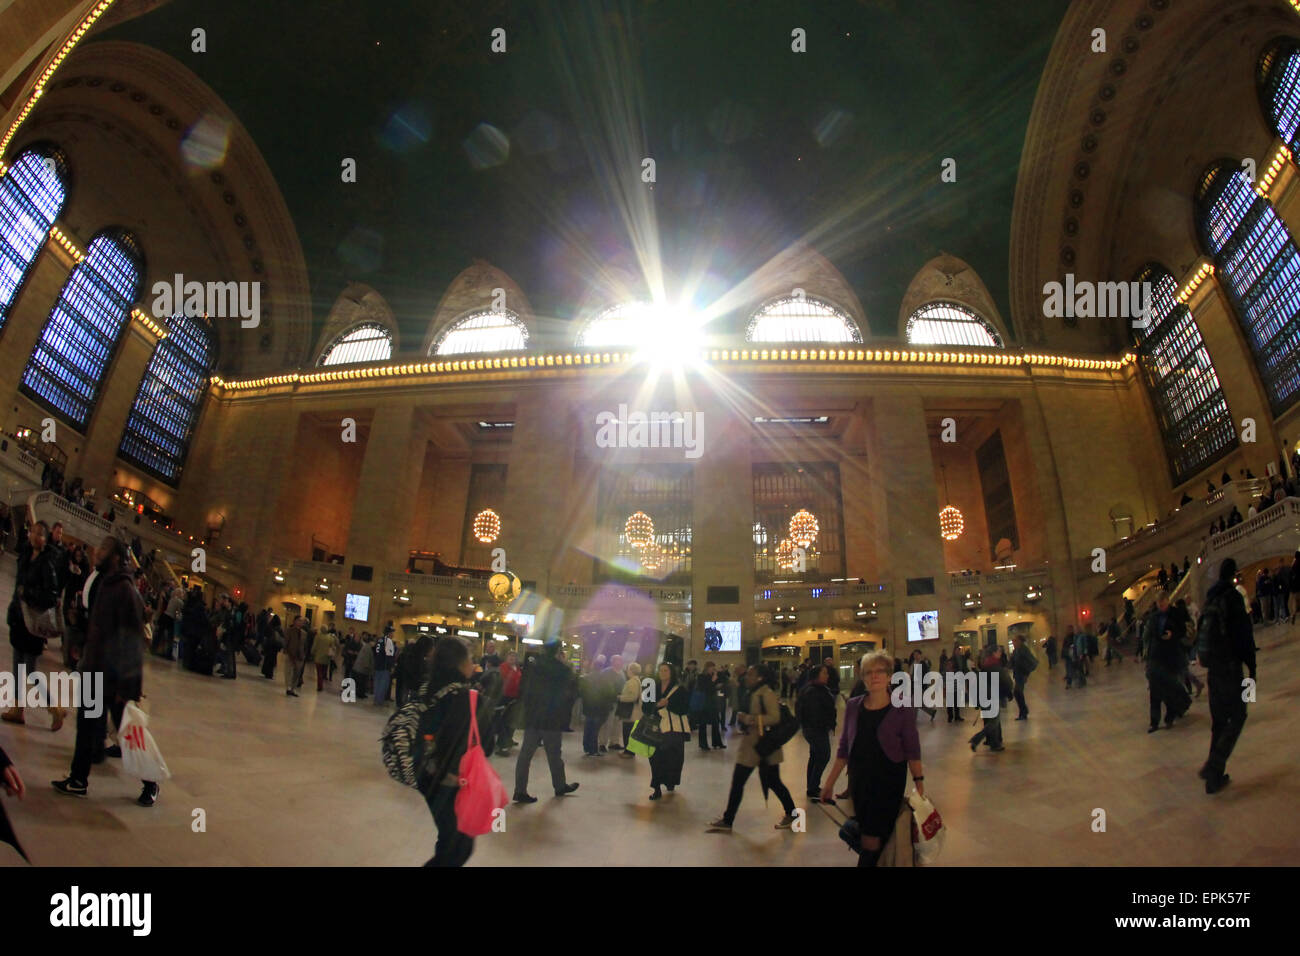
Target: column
x=722 y=529
x=903 y=470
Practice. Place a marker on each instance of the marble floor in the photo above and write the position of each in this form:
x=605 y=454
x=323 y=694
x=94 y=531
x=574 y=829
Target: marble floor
x=287 y=781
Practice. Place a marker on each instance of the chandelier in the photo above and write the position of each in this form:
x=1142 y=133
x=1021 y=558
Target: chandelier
x=487 y=525
x=803 y=528
x=639 y=530
x=785 y=554
x=652 y=556
x=951 y=522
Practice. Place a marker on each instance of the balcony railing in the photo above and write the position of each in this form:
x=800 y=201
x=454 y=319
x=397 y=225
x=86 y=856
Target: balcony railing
x=1288 y=509
x=806 y=591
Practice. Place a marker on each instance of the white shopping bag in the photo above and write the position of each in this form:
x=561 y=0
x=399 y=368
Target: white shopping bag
x=140 y=755
x=928 y=831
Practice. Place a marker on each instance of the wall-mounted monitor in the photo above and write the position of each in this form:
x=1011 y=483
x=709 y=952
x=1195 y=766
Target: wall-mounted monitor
x=356 y=607
x=922 y=625
x=721 y=636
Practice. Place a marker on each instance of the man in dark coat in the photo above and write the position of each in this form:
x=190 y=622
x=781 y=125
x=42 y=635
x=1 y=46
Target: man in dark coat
x=1232 y=647
x=115 y=647
x=1165 y=629
x=547 y=691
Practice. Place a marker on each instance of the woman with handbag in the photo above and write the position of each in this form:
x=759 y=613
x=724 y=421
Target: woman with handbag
x=447 y=724
x=764 y=711
x=671 y=706
x=879 y=745
x=33 y=615
x=628 y=709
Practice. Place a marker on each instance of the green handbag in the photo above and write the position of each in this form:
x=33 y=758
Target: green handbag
x=645 y=737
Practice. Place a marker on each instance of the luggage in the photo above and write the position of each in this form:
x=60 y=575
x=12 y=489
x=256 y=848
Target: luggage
x=778 y=735
x=252 y=654
x=646 y=736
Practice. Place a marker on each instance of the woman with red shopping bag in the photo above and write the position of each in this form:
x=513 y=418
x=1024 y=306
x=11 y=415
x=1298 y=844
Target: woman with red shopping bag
x=451 y=721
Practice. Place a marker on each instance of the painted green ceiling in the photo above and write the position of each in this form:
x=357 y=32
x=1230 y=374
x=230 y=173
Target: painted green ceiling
x=531 y=159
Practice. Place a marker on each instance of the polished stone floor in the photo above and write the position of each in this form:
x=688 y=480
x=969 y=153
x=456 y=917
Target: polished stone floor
x=299 y=781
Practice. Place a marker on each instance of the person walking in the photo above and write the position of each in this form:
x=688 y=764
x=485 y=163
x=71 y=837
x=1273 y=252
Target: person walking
x=879 y=746
x=447 y=694
x=272 y=644
x=764 y=711
x=1164 y=634
x=1023 y=664
x=36 y=584
x=1226 y=645
x=991 y=733
x=295 y=639
x=815 y=708
x=548 y=691
x=706 y=691
x=597 y=703
x=364 y=667
x=672 y=705
x=511 y=676
x=628 y=710
x=385 y=655
x=322 y=653
x=115 y=643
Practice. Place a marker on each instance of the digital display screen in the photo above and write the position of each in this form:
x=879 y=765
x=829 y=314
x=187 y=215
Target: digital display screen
x=525 y=622
x=721 y=636
x=356 y=607
x=922 y=625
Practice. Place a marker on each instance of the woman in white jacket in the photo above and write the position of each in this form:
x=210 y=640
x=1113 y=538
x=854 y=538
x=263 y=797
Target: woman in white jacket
x=628 y=708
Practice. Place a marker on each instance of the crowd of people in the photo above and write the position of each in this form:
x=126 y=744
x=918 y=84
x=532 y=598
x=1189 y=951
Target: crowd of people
x=106 y=599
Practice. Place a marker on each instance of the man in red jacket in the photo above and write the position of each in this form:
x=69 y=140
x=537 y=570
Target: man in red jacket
x=505 y=730
x=115 y=646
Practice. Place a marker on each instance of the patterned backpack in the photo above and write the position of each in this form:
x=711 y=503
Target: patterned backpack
x=404 y=740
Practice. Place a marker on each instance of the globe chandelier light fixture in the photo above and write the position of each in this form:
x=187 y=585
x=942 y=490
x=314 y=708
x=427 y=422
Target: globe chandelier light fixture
x=487 y=525
x=639 y=530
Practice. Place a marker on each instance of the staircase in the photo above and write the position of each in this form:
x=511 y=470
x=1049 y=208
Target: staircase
x=1272 y=534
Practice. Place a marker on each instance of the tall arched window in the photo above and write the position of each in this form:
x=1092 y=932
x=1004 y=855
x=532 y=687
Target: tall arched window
x=486 y=331
x=32 y=193
x=368 y=342
x=625 y=325
x=1259 y=264
x=166 y=409
x=1278 y=82
x=801 y=319
x=949 y=323
x=1193 y=414
x=83 y=328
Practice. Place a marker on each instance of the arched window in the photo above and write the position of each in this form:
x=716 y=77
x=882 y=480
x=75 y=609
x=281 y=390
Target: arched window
x=1278 y=83
x=166 y=408
x=486 y=331
x=83 y=328
x=801 y=319
x=1190 y=407
x=1259 y=264
x=32 y=193
x=948 y=323
x=626 y=325
x=369 y=342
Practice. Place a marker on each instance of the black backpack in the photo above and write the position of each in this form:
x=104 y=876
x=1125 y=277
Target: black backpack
x=407 y=737
x=1212 y=633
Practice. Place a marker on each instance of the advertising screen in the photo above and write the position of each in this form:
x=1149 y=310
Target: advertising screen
x=922 y=625
x=356 y=607
x=721 y=636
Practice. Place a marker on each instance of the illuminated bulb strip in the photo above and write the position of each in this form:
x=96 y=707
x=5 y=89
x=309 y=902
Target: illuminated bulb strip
x=1280 y=159
x=1204 y=272
x=712 y=355
x=39 y=89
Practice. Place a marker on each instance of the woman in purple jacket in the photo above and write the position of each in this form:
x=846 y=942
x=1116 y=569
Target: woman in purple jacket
x=879 y=745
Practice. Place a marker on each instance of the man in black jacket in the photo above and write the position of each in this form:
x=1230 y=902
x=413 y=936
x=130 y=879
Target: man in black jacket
x=115 y=647
x=1229 y=646
x=1163 y=635
x=547 y=692
x=707 y=687
x=815 y=708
